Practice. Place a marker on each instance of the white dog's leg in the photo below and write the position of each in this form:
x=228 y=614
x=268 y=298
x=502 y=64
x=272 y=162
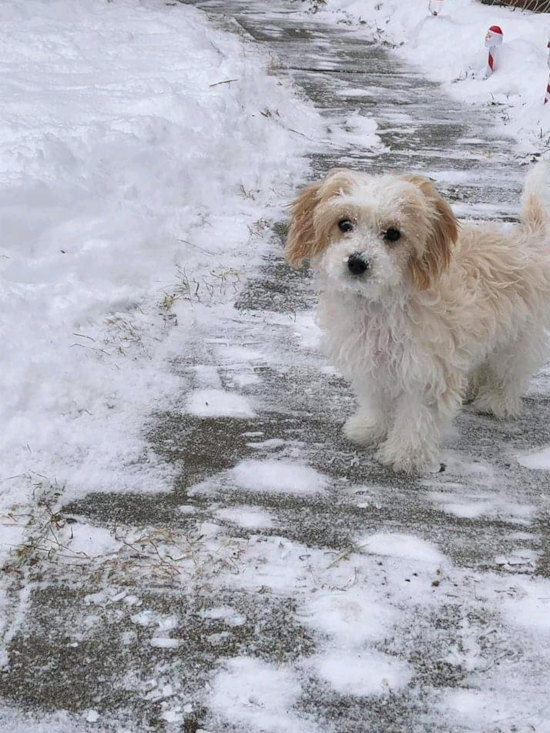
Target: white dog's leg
x=412 y=445
x=371 y=422
x=506 y=374
x=475 y=382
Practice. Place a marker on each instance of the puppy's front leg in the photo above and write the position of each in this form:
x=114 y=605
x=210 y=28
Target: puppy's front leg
x=371 y=422
x=413 y=441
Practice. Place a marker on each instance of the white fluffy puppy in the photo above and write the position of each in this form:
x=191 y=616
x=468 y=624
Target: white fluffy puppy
x=420 y=311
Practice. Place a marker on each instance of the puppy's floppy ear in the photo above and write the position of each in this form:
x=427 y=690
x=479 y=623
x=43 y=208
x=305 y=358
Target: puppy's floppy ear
x=304 y=238
x=443 y=233
x=301 y=242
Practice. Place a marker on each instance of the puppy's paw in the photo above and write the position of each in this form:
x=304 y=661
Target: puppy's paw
x=403 y=459
x=501 y=406
x=363 y=429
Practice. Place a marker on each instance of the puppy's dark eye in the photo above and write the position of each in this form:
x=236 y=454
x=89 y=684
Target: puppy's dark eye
x=345 y=225
x=392 y=235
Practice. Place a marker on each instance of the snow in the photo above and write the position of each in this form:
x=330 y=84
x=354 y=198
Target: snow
x=401 y=546
x=362 y=674
x=116 y=209
x=246 y=517
x=187 y=509
x=226 y=613
x=257 y=696
x=278 y=476
x=276 y=563
x=91 y=541
x=539 y=460
x=355 y=129
x=49 y=723
x=307 y=331
x=450 y=49
x=531 y=608
x=493 y=710
x=350 y=617
x=218 y=403
x=164 y=642
x=458 y=500
x=92 y=716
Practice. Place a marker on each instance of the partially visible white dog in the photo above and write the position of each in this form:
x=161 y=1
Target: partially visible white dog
x=421 y=312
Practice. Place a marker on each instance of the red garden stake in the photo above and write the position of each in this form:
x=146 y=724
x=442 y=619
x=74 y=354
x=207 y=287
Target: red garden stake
x=547 y=96
x=435 y=7
x=493 y=39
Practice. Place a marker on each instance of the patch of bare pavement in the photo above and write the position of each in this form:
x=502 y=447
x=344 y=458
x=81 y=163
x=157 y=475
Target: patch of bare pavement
x=227 y=566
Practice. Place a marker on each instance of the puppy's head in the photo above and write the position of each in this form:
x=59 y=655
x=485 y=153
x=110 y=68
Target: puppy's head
x=371 y=234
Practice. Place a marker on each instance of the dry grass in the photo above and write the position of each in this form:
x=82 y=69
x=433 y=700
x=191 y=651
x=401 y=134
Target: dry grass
x=161 y=557
x=168 y=557
x=220 y=283
x=42 y=524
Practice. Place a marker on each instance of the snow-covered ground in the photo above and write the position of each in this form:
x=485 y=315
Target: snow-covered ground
x=144 y=156
x=450 y=49
x=141 y=152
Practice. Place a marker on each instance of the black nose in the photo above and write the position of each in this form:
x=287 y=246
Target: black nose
x=357 y=264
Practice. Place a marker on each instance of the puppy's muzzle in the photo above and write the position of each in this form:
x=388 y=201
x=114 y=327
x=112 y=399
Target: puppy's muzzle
x=358 y=264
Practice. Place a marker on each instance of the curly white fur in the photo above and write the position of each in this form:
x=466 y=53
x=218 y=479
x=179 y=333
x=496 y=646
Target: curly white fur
x=445 y=312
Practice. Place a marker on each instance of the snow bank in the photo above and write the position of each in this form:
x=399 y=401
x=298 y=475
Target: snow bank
x=139 y=150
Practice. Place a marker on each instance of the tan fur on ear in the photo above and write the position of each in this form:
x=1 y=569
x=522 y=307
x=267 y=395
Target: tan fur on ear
x=301 y=239
x=304 y=241
x=444 y=233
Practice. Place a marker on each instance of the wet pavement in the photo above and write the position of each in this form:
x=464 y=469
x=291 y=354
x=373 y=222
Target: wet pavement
x=78 y=640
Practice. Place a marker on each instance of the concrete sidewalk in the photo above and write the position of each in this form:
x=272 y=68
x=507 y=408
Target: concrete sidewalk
x=85 y=640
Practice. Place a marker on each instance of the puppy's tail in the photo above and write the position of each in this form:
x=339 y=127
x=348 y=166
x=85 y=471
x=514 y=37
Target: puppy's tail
x=535 y=202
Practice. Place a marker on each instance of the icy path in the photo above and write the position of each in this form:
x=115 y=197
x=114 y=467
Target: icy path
x=289 y=583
